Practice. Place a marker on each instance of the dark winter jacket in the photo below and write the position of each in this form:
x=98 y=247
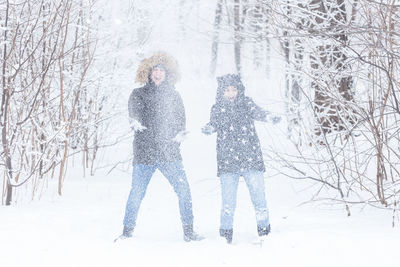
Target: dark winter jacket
x=159 y=109
x=238 y=146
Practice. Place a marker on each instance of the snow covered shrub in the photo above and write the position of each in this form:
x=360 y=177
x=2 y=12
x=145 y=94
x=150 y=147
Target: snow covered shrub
x=49 y=107
x=343 y=90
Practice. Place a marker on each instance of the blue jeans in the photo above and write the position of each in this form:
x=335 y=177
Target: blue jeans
x=141 y=176
x=255 y=183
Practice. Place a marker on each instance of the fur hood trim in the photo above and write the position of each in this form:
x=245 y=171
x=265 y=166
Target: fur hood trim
x=171 y=66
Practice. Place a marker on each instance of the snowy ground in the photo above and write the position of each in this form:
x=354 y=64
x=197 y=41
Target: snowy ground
x=78 y=229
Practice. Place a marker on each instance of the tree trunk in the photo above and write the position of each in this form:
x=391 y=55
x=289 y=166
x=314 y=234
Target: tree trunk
x=4 y=111
x=237 y=37
x=214 y=47
x=257 y=28
x=330 y=113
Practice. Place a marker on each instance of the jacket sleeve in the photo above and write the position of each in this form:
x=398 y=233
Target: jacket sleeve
x=180 y=114
x=134 y=108
x=214 y=117
x=256 y=112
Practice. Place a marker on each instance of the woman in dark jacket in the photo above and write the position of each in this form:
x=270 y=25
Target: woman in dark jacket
x=238 y=151
x=157 y=116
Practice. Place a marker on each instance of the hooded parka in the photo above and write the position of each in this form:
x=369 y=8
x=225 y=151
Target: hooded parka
x=158 y=108
x=238 y=146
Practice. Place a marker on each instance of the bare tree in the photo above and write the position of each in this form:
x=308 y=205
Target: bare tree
x=46 y=107
x=214 y=48
x=257 y=31
x=248 y=21
x=237 y=36
x=347 y=71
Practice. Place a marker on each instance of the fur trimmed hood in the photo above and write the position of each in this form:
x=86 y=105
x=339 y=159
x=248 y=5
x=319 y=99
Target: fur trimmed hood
x=170 y=64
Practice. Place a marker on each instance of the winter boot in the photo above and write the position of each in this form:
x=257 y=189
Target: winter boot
x=189 y=234
x=127 y=232
x=263 y=231
x=227 y=234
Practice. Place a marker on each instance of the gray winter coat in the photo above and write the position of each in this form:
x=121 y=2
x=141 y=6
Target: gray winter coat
x=161 y=111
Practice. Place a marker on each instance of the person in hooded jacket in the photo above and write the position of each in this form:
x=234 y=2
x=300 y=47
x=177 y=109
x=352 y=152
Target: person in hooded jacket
x=157 y=116
x=238 y=151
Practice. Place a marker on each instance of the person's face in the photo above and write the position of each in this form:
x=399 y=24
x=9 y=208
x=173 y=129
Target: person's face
x=230 y=93
x=158 y=75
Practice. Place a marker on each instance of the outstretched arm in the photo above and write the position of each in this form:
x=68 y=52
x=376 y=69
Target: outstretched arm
x=256 y=112
x=211 y=127
x=134 y=108
x=179 y=131
x=260 y=114
x=180 y=114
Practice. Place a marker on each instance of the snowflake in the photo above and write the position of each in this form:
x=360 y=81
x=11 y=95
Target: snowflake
x=249 y=159
x=237 y=157
x=231 y=128
x=244 y=141
x=223 y=109
x=231 y=149
x=244 y=128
